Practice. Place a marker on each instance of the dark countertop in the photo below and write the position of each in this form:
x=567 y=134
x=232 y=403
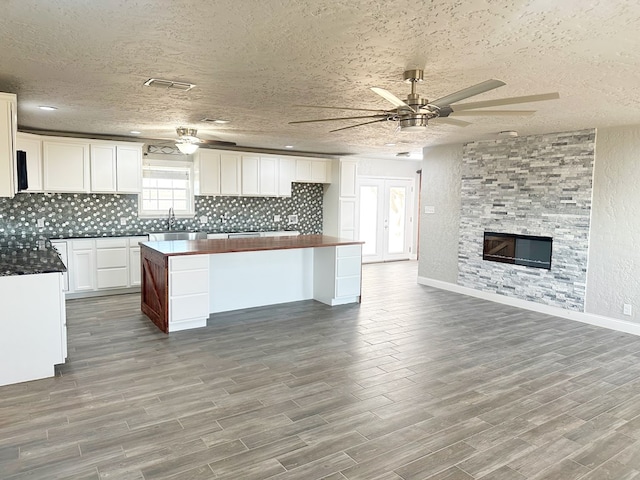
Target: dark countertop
x=28 y=255
x=205 y=247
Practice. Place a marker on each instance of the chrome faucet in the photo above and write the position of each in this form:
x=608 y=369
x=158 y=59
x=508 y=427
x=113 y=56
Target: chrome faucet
x=171 y=219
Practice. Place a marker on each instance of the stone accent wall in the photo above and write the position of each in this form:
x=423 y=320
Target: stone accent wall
x=536 y=185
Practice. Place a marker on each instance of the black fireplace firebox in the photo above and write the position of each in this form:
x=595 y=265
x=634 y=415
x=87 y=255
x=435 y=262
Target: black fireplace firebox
x=527 y=250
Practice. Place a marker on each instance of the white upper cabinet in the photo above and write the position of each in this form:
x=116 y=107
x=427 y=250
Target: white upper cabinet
x=32 y=145
x=230 y=174
x=286 y=175
x=208 y=172
x=103 y=168
x=8 y=127
x=66 y=165
x=250 y=175
x=116 y=168
x=313 y=171
x=259 y=176
x=129 y=168
x=348 y=176
x=269 y=176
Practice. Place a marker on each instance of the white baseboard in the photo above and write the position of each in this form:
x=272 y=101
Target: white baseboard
x=590 y=318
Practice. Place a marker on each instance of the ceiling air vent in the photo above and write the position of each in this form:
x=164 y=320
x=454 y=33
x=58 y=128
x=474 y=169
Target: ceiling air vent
x=214 y=120
x=156 y=82
x=403 y=154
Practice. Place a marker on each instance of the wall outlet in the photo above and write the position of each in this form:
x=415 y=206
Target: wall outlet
x=203 y=219
x=626 y=309
x=276 y=218
x=293 y=219
x=41 y=223
x=123 y=221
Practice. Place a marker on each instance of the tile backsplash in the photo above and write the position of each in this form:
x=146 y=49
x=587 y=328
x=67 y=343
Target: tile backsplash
x=70 y=214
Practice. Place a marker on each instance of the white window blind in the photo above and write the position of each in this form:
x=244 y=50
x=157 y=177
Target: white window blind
x=166 y=184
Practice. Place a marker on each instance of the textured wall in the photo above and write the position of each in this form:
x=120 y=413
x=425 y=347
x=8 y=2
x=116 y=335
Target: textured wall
x=67 y=214
x=438 y=255
x=614 y=259
x=537 y=185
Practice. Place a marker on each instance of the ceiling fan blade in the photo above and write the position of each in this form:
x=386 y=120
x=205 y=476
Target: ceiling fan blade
x=498 y=113
x=506 y=101
x=468 y=92
x=390 y=97
x=450 y=121
x=379 y=110
x=358 y=125
x=337 y=118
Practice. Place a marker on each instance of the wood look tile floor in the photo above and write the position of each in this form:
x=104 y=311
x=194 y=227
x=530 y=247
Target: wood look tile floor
x=414 y=383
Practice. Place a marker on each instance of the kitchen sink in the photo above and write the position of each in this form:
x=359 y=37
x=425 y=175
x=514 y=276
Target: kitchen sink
x=166 y=236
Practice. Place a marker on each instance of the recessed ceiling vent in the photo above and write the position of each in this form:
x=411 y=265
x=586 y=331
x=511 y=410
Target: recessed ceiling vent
x=403 y=154
x=169 y=84
x=214 y=120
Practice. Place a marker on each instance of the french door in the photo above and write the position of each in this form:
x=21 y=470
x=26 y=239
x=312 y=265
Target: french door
x=385 y=218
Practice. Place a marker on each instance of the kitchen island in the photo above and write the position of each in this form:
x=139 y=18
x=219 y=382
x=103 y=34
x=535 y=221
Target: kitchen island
x=185 y=281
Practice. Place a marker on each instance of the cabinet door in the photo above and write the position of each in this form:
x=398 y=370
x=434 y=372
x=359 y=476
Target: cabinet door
x=32 y=144
x=8 y=126
x=268 y=176
x=84 y=268
x=303 y=170
x=250 y=175
x=134 y=267
x=348 y=177
x=319 y=171
x=103 y=168
x=61 y=248
x=230 y=174
x=286 y=176
x=66 y=166
x=129 y=168
x=209 y=171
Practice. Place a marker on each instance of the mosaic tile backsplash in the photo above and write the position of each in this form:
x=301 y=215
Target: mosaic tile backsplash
x=71 y=214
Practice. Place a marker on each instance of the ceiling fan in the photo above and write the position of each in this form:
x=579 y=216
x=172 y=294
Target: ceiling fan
x=414 y=113
x=188 y=141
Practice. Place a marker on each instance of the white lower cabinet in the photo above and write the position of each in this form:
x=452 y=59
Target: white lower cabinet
x=83 y=266
x=188 y=292
x=98 y=266
x=61 y=248
x=112 y=269
x=337 y=274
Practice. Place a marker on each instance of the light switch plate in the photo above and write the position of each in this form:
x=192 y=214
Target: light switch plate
x=293 y=219
x=429 y=209
x=123 y=221
x=41 y=223
x=203 y=219
x=276 y=218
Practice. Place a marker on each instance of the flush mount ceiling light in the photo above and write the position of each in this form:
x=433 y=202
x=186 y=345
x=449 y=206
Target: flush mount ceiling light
x=288 y=146
x=389 y=144
x=169 y=84
x=135 y=132
x=47 y=108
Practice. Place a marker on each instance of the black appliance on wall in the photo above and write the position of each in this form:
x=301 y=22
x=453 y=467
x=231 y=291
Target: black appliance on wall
x=21 y=168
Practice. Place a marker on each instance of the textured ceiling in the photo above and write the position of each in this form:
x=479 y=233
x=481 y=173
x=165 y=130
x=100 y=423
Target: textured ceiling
x=253 y=61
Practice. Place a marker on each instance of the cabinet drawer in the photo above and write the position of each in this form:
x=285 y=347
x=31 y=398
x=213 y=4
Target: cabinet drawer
x=82 y=244
x=348 y=286
x=348 y=266
x=348 y=251
x=111 y=257
x=188 y=262
x=113 y=278
x=188 y=282
x=189 y=307
x=111 y=242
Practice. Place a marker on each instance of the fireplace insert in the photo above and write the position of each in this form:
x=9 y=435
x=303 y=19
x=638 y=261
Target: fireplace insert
x=527 y=250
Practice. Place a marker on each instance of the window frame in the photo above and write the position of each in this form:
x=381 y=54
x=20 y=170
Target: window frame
x=181 y=165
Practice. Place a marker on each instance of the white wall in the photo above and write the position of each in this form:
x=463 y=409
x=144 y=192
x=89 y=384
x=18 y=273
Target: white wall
x=439 y=231
x=369 y=167
x=613 y=275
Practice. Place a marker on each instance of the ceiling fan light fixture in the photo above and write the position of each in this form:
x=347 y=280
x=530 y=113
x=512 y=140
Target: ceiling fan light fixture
x=187 y=148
